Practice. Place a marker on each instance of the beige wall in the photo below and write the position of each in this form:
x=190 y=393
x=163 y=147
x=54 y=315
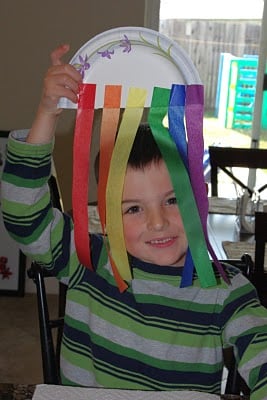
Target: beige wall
x=29 y=30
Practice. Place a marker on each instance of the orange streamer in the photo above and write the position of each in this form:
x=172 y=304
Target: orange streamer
x=109 y=127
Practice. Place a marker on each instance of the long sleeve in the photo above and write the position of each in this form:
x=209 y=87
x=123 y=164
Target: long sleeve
x=40 y=230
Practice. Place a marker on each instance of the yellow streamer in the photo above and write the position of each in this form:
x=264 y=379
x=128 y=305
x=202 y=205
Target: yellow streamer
x=125 y=138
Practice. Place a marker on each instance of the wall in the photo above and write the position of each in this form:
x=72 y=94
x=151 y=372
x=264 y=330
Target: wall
x=29 y=30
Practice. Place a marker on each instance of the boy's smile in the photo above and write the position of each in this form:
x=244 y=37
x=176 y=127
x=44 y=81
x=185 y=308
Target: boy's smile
x=153 y=227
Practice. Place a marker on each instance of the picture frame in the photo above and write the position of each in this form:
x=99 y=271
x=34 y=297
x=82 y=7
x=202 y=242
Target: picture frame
x=12 y=260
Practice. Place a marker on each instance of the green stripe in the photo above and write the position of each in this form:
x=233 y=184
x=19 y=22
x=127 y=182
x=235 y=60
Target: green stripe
x=24 y=183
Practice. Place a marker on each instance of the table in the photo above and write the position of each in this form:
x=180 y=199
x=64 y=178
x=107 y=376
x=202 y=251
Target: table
x=223 y=227
x=25 y=392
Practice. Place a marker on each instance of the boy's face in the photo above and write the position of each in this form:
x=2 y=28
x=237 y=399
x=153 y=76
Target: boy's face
x=153 y=227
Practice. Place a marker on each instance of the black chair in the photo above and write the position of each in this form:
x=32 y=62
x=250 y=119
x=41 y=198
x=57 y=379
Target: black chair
x=50 y=346
x=260 y=239
x=259 y=276
x=235 y=384
x=225 y=158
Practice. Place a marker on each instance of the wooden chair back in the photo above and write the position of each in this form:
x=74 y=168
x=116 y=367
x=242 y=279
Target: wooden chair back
x=227 y=157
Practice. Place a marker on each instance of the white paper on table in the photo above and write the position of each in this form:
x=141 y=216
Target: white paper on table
x=57 y=392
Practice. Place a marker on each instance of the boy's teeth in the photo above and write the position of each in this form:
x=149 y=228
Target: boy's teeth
x=159 y=241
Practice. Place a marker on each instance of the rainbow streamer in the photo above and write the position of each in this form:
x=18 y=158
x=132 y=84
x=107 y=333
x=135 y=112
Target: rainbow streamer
x=182 y=151
x=131 y=119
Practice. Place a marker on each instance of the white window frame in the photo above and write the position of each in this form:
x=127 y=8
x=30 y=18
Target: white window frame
x=151 y=17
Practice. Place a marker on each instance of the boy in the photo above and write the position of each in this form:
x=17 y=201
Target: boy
x=155 y=335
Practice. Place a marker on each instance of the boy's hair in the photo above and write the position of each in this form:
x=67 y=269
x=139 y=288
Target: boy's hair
x=145 y=149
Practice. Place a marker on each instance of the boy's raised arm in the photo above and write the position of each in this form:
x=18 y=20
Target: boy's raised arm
x=61 y=80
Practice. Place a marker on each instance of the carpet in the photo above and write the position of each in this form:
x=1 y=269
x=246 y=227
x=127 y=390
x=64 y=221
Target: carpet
x=20 y=360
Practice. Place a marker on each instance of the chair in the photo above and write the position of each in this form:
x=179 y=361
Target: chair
x=259 y=276
x=50 y=351
x=235 y=384
x=227 y=157
x=260 y=239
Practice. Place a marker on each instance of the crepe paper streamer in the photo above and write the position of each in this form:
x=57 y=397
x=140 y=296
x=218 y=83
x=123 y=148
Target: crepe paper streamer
x=194 y=125
x=188 y=270
x=130 y=121
x=182 y=187
x=176 y=120
x=178 y=134
x=194 y=111
x=108 y=130
x=81 y=151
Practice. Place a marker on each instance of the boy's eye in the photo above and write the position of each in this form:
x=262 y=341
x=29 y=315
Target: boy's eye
x=132 y=210
x=172 y=200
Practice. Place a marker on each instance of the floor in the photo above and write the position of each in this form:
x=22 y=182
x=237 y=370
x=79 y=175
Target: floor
x=20 y=358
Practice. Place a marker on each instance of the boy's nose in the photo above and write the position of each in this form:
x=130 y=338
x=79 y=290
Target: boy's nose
x=156 y=220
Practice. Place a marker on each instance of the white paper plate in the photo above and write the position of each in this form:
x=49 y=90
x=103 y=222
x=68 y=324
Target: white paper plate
x=56 y=392
x=132 y=57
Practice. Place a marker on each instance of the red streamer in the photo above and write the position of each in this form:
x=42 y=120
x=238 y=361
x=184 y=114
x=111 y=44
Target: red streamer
x=81 y=152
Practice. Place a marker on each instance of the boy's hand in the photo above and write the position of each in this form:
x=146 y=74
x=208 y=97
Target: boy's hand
x=61 y=80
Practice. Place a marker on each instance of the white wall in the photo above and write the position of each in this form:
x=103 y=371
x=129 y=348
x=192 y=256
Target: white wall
x=29 y=30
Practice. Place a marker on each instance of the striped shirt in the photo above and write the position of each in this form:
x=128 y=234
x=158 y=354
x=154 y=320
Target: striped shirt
x=153 y=336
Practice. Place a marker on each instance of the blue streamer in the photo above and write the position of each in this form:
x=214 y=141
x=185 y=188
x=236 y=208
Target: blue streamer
x=176 y=113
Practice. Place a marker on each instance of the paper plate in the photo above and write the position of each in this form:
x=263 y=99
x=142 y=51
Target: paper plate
x=132 y=57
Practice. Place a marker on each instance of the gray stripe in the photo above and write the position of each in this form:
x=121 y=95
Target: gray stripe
x=240 y=325
x=192 y=294
x=23 y=195
x=43 y=244
x=258 y=360
x=78 y=375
